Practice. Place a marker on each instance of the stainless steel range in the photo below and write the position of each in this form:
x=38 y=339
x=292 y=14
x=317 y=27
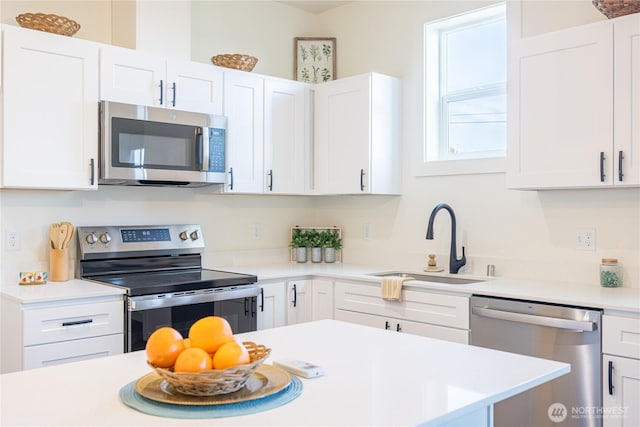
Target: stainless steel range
x=160 y=267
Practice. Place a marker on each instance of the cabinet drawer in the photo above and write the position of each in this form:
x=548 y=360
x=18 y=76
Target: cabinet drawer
x=621 y=336
x=419 y=306
x=407 y=326
x=69 y=322
x=39 y=356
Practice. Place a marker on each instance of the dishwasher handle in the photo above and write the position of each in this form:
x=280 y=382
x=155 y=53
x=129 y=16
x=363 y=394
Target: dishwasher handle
x=553 y=322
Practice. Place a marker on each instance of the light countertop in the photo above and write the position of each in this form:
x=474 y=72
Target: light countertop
x=373 y=377
x=617 y=299
x=55 y=291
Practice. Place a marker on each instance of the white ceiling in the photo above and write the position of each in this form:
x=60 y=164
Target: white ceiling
x=315 y=6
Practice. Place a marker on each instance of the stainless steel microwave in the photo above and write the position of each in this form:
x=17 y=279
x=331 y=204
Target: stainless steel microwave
x=142 y=145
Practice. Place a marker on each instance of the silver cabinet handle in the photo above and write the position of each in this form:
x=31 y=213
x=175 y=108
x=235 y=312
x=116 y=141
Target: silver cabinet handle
x=161 y=92
x=554 y=322
x=361 y=179
x=602 y=166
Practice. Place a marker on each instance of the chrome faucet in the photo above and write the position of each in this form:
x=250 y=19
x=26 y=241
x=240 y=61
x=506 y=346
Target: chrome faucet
x=455 y=264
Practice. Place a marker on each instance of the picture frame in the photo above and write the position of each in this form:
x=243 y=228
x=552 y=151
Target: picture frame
x=315 y=59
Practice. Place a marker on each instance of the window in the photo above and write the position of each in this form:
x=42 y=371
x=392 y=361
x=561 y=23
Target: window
x=465 y=91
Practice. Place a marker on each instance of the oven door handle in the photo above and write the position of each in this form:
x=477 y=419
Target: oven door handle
x=186 y=298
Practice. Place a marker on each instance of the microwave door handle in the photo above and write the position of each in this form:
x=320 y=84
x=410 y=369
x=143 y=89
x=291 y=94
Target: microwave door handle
x=199 y=150
x=205 y=142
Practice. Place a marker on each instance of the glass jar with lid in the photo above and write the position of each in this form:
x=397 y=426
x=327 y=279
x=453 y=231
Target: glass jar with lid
x=610 y=273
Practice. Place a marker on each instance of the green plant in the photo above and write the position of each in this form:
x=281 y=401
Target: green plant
x=314 y=238
x=299 y=239
x=331 y=239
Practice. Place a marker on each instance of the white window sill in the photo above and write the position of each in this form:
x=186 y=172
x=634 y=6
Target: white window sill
x=460 y=167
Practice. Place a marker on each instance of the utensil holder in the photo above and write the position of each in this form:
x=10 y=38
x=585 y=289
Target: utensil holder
x=59 y=265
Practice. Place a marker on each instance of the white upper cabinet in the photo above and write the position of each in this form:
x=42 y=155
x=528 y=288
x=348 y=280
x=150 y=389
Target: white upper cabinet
x=286 y=140
x=49 y=111
x=243 y=107
x=626 y=127
x=357 y=142
x=573 y=114
x=133 y=77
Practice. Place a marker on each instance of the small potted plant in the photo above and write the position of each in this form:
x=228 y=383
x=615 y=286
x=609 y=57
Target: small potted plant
x=315 y=243
x=300 y=241
x=331 y=242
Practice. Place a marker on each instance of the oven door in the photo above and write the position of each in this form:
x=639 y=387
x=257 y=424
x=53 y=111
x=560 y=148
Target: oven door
x=179 y=310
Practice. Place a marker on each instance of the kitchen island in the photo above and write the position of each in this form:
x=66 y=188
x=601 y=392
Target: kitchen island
x=373 y=377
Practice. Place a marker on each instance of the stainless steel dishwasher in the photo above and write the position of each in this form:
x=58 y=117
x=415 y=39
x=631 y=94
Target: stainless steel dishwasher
x=556 y=332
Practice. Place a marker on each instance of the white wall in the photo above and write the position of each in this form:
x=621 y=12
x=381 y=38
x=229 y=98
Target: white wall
x=525 y=234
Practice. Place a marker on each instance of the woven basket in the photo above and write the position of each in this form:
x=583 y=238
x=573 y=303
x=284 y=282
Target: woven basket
x=615 y=8
x=216 y=381
x=49 y=23
x=235 y=61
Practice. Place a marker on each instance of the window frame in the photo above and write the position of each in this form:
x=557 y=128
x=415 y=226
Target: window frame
x=433 y=122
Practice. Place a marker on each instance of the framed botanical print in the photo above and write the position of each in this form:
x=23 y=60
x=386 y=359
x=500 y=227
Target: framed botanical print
x=315 y=59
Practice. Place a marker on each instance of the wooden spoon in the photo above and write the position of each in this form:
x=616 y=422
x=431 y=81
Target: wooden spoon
x=62 y=235
x=54 y=234
x=70 y=230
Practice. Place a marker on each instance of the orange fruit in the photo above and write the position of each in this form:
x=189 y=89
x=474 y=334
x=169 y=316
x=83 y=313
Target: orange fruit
x=192 y=359
x=210 y=332
x=230 y=354
x=186 y=343
x=163 y=347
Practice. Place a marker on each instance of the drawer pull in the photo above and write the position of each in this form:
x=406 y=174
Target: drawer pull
x=77 y=322
x=611 y=388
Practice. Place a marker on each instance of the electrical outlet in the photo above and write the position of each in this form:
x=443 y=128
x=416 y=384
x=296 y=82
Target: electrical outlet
x=366 y=231
x=13 y=240
x=585 y=239
x=255 y=231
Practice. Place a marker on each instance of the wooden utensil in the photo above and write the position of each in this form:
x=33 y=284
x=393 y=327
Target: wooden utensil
x=69 y=233
x=62 y=235
x=54 y=234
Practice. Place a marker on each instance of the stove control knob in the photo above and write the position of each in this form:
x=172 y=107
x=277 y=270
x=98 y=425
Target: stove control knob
x=105 y=238
x=183 y=236
x=91 y=238
x=194 y=235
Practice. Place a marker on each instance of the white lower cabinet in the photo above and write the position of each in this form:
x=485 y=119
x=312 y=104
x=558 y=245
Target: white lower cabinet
x=621 y=371
x=322 y=301
x=43 y=334
x=299 y=301
x=271 y=305
x=426 y=313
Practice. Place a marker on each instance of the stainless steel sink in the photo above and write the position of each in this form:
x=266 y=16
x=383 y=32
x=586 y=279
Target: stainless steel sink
x=429 y=278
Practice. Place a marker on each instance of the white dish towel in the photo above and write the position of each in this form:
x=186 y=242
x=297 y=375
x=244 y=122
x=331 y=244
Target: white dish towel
x=392 y=287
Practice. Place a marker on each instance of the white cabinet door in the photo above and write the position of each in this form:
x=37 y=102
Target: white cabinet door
x=195 y=87
x=560 y=109
x=286 y=139
x=357 y=135
x=244 y=109
x=626 y=156
x=322 y=299
x=271 y=305
x=621 y=391
x=132 y=77
x=50 y=111
x=299 y=301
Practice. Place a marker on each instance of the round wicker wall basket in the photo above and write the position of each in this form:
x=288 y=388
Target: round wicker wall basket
x=616 y=8
x=48 y=22
x=236 y=61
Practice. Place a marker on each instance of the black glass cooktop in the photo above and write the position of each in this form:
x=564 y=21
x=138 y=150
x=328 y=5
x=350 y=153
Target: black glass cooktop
x=150 y=283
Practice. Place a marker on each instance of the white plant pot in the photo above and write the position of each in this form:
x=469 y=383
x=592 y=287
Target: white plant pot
x=316 y=254
x=301 y=254
x=329 y=255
